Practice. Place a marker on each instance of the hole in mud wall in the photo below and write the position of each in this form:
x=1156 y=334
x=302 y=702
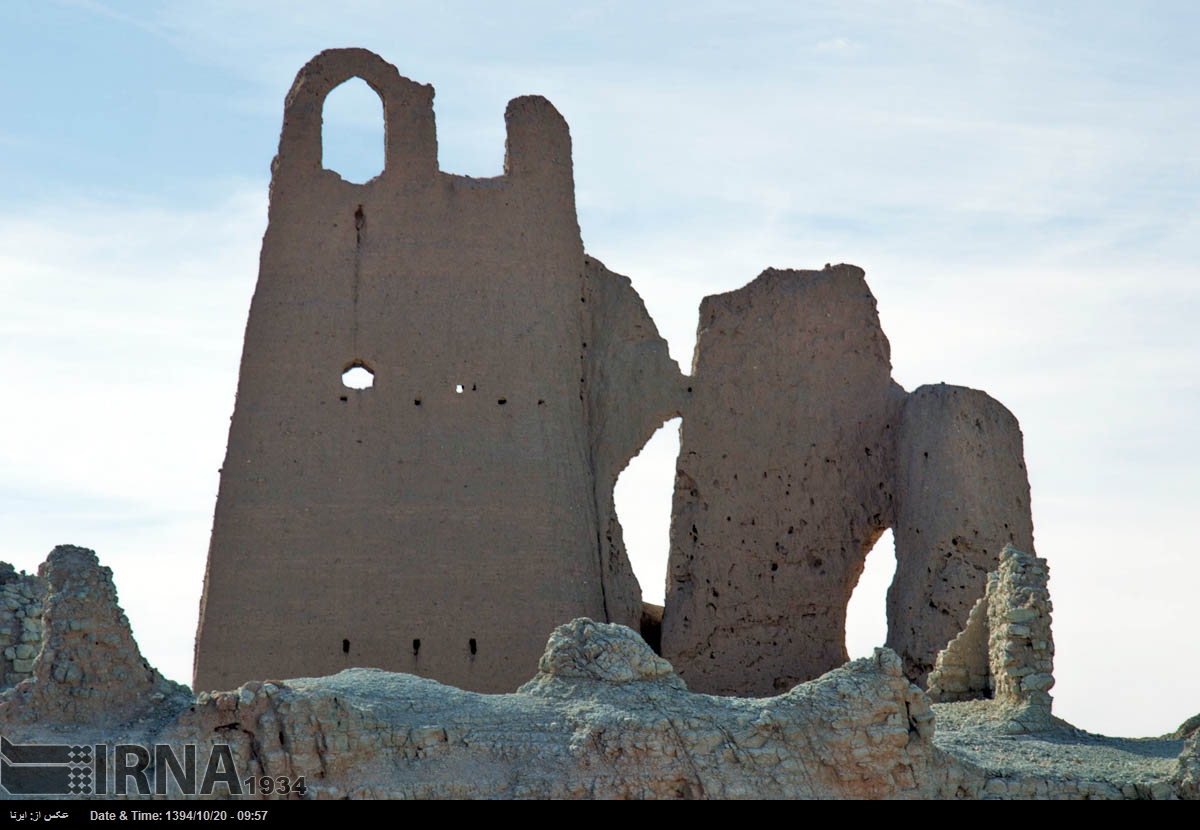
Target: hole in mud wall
x=416 y=647
x=345 y=646
x=358 y=376
x=471 y=644
x=866 y=615
x=643 y=498
x=352 y=132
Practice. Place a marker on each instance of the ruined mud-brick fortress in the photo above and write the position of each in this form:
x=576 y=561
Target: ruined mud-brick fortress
x=443 y=520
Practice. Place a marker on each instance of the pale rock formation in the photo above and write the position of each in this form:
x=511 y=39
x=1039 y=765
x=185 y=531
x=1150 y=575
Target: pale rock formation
x=446 y=519
x=962 y=494
x=604 y=717
x=784 y=480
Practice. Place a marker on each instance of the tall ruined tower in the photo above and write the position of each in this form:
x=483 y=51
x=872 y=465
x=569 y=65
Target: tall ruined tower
x=445 y=519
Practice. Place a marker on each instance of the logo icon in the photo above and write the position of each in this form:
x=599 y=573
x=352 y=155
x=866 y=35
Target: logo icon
x=50 y=769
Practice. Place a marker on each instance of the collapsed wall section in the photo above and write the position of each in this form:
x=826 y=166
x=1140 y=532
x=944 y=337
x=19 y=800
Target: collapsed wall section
x=442 y=521
x=1008 y=638
x=783 y=482
x=87 y=670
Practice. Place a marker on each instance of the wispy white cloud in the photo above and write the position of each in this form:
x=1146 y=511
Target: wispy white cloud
x=120 y=339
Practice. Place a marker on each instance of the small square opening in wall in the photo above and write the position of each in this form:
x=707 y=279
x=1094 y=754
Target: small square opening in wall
x=358 y=376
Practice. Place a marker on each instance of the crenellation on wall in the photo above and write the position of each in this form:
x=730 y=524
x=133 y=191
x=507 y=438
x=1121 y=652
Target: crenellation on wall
x=471 y=483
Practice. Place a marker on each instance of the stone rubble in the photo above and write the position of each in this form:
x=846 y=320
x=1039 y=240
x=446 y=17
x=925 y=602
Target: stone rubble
x=1006 y=651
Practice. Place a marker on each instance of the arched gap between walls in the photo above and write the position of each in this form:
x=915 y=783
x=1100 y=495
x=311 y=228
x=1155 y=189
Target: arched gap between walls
x=643 y=495
x=866 y=614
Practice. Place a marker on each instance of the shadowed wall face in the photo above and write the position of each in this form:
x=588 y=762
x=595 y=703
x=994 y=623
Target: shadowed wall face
x=443 y=520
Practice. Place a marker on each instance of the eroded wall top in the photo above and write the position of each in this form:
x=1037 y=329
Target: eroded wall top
x=443 y=520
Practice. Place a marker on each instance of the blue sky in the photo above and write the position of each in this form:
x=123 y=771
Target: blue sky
x=1019 y=182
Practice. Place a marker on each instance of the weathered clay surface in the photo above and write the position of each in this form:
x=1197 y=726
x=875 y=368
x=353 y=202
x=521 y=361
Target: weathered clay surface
x=445 y=520
x=962 y=494
x=784 y=480
x=798 y=451
x=604 y=717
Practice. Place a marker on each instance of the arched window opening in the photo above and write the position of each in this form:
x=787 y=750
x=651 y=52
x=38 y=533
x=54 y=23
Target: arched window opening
x=866 y=615
x=643 y=499
x=352 y=132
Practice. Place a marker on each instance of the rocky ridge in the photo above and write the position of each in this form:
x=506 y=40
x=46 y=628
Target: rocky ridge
x=605 y=717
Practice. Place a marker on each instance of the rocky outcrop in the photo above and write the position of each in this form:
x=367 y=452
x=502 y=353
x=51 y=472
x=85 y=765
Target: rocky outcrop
x=604 y=717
